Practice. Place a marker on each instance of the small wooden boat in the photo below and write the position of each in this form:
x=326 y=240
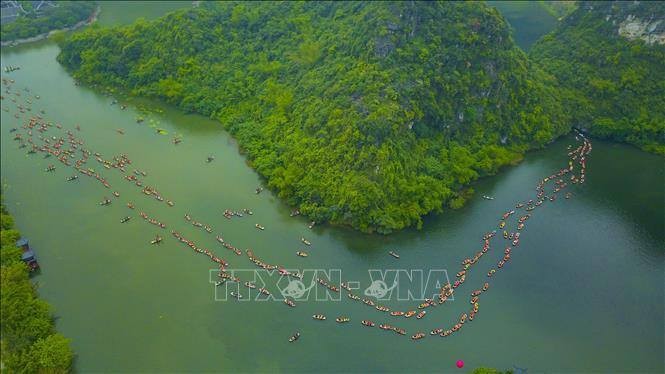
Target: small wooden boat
x=436 y=331
x=302 y=254
x=125 y=219
x=105 y=202
x=399 y=331
x=319 y=317
x=342 y=319
x=393 y=254
x=259 y=226
x=156 y=240
x=418 y=336
x=294 y=337
x=236 y=295
x=367 y=323
x=73 y=177
x=289 y=303
x=305 y=241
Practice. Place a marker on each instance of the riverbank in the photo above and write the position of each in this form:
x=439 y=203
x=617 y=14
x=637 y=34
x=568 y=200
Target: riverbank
x=92 y=19
x=613 y=222
x=29 y=340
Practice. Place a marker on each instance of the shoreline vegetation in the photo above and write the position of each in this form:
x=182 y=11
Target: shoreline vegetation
x=366 y=115
x=89 y=19
x=348 y=115
x=29 y=341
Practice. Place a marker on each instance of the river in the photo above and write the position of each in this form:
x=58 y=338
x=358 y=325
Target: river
x=529 y=20
x=584 y=291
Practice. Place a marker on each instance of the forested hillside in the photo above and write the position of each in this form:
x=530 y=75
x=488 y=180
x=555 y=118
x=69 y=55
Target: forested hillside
x=32 y=23
x=369 y=114
x=609 y=61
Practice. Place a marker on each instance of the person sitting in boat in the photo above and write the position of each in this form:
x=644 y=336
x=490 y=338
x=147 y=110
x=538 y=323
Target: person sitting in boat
x=294 y=337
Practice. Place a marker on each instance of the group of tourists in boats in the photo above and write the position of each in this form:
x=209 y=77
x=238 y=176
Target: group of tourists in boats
x=65 y=148
x=228 y=213
x=207 y=228
x=447 y=290
x=222 y=264
x=152 y=220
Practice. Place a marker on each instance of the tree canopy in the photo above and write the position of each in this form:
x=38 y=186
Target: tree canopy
x=33 y=23
x=29 y=341
x=370 y=114
x=612 y=86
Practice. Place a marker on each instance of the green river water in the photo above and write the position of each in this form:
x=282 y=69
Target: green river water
x=584 y=292
x=529 y=20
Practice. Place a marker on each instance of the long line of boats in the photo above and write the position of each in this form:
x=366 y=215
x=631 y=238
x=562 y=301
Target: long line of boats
x=65 y=148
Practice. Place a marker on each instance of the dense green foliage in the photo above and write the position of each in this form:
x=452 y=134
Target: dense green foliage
x=482 y=370
x=612 y=86
x=369 y=114
x=29 y=341
x=559 y=9
x=66 y=14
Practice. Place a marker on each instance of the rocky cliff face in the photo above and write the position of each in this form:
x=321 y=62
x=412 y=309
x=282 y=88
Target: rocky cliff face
x=608 y=61
x=643 y=20
x=651 y=31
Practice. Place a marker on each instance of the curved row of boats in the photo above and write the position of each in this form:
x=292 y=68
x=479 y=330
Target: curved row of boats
x=67 y=146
